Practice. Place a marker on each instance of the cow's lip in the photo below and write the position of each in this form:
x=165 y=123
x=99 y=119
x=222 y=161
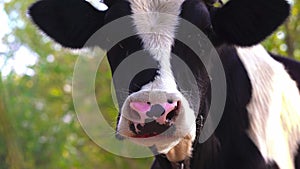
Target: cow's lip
x=148 y=135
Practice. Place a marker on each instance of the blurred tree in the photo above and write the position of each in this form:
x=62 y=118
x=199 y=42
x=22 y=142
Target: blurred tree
x=286 y=40
x=14 y=158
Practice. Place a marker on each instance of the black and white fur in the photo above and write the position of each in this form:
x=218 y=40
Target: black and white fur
x=260 y=125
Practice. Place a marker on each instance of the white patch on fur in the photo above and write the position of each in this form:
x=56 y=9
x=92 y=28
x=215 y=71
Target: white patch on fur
x=274 y=110
x=156 y=22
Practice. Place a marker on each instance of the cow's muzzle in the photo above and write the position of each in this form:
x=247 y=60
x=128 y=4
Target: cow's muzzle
x=153 y=119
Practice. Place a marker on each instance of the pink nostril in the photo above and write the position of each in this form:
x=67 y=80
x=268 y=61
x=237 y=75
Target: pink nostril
x=169 y=106
x=157 y=112
x=140 y=107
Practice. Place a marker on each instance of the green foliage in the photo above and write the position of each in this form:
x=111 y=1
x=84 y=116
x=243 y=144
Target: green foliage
x=286 y=40
x=39 y=119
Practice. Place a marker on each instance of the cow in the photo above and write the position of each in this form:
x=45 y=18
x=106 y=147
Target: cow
x=260 y=123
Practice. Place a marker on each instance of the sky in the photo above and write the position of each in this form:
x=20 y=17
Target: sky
x=22 y=58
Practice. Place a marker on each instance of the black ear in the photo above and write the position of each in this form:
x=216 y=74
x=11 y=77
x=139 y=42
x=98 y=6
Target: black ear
x=248 y=22
x=69 y=22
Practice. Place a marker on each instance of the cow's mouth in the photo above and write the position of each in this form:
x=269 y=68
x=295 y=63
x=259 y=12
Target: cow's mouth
x=152 y=127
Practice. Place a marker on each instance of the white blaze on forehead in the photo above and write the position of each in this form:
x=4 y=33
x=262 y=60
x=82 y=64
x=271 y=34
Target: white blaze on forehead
x=274 y=109
x=156 y=22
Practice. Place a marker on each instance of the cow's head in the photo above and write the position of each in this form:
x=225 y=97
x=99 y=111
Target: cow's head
x=156 y=112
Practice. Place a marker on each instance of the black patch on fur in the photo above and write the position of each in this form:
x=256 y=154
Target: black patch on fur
x=297 y=158
x=69 y=22
x=248 y=22
x=72 y=22
x=197 y=13
x=161 y=162
x=273 y=165
x=142 y=78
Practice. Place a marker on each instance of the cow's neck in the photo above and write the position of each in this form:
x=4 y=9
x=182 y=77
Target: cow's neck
x=165 y=163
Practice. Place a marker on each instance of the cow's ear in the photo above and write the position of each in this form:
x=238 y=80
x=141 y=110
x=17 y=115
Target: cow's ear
x=69 y=22
x=248 y=22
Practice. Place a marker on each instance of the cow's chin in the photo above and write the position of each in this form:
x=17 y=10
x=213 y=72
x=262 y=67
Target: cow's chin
x=178 y=136
x=163 y=144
